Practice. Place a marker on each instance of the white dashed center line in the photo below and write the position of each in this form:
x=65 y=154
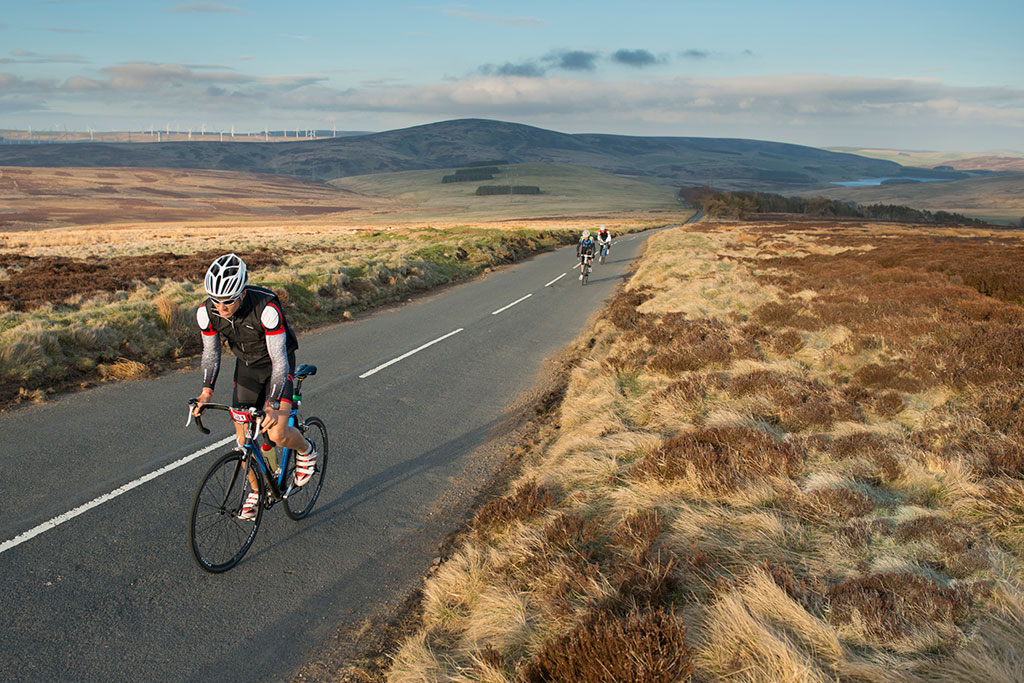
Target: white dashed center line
x=555 y=280
x=505 y=308
x=406 y=355
x=96 y=502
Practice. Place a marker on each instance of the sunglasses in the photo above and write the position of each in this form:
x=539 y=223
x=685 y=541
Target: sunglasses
x=224 y=302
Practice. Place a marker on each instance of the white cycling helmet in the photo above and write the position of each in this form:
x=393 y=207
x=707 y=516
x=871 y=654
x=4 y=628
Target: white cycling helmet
x=226 y=277
x=586 y=233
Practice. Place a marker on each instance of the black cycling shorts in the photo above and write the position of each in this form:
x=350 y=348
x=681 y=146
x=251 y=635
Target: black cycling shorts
x=252 y=384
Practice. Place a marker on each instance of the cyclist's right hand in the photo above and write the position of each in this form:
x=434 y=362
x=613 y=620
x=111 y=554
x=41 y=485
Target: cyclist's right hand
x=203 y=397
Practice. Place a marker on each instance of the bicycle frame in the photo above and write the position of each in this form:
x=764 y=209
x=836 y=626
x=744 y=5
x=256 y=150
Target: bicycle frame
x=252 y=417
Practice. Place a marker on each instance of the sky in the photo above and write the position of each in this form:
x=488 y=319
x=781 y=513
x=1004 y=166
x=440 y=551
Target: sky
x=899 y=74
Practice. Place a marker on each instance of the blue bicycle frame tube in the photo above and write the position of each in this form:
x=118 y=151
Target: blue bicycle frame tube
x=286 y=452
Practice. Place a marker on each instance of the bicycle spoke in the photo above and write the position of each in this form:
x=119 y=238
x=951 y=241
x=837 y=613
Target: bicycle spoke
x=218 y=538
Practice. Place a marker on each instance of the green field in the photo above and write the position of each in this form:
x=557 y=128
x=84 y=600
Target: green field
x=567 y=190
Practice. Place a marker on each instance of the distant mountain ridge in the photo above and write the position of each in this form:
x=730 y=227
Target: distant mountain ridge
x=724 y=162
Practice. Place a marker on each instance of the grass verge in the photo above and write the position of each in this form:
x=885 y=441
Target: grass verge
x=68 y=318
x=790 y=453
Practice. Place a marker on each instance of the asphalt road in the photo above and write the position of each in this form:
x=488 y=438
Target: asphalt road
x=110 y=592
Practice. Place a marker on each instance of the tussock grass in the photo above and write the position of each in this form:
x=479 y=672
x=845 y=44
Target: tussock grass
x=795 y=452
x=141 y=312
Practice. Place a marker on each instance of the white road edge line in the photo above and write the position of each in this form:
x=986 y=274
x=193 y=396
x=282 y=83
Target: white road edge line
x=96 y=502
x=505 y=308
x=406 y=355
x=555 y=280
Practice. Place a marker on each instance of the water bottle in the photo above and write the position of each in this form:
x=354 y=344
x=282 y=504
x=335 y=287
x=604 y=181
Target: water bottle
x=272 y=454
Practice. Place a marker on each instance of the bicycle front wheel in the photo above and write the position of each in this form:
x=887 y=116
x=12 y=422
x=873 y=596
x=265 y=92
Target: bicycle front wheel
x=300 y=501
x=217 y=537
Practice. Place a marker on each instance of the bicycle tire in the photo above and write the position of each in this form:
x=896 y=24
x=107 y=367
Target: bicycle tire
x=586 y=274
x=217 y=538
x=301 y=500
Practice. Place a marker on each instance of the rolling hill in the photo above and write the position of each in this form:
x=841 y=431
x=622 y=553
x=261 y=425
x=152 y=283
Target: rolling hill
x=671 y=161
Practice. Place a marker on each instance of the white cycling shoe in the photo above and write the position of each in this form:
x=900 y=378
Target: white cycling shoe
x=305 y=465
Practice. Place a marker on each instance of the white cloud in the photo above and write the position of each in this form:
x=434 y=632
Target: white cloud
x=807 y=108
x=204 y=8
x=28 y=57
x=528 y=22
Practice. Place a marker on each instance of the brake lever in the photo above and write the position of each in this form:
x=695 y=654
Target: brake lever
x=199 y=423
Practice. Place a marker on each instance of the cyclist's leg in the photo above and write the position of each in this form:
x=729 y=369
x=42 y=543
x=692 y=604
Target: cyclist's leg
x=281 y=433
x=249 y=389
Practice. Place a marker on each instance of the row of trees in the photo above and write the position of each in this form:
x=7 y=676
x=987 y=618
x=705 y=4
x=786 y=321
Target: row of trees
x=745 y=204
x=507 y=189
x=463 y=175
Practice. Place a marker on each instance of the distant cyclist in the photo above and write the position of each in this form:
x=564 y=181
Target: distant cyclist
x=250 y=319
x=585 y=248
x=604 y=241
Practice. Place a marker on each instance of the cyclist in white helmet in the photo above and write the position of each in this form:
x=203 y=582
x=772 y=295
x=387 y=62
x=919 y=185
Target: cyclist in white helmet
x=604 y=242
x=250 y=319
x=584 y=249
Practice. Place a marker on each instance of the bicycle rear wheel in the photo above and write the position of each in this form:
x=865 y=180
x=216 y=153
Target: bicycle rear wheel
x=300 y=501
x=217 y=537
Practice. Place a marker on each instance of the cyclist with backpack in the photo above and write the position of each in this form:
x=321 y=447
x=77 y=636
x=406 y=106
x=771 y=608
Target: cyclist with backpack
x=250 y=319
x=585 y=249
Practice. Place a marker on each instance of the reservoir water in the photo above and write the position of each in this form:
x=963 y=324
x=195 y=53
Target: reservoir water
x=864 y=182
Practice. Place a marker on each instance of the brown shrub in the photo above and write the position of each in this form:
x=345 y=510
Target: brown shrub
x=622 y=310
x=753 y=382
x=859 y=532
x=798 y=403
x=787 y=342
x=642 y=577
x=575 y=536
x=981 y=354
x=689 y=388
x=1005 y=458
x=631 y=360
x=643 y=583
x=638 y=532
x=721 y=458
x=805 y=589
x=1002 y=408
x=805 y=404
x=648 y=647
x=888 y=403
x=683 y=345
x=991 y=453
x=859 y=444
x=784 y=314
x=888 y=376
x=830 y=505
x=961 y=544
x=892 y=605
x=525 y=502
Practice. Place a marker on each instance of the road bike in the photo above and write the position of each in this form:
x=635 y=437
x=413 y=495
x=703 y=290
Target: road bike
x=217 y=537
x=586 y=267
x=605 y=248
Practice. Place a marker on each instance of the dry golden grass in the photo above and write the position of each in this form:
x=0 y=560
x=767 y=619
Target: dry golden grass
x=74 y=300
x=806 y=465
